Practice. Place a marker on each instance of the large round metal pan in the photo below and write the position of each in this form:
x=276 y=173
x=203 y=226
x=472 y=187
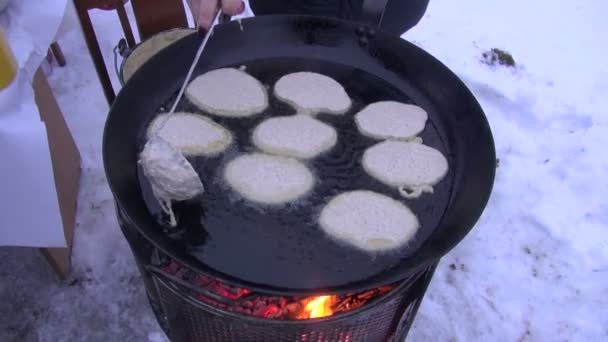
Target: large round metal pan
x=251 y=248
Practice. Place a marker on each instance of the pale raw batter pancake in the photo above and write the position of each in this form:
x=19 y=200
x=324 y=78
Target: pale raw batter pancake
x=191 y=134
x=299 y=136
x=268 y=179
x=391 y=120
x=228 y=92
x=411 y=167
x=312 y=93
x=368 y=220
x=170 y=174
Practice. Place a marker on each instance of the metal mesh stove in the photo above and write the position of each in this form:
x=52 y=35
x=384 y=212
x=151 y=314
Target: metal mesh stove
x=184 y=317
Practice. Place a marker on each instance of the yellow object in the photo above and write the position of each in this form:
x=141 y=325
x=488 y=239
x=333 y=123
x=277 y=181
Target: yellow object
x=8 y=63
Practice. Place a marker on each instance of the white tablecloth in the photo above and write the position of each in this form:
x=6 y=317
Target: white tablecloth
x=29 y=209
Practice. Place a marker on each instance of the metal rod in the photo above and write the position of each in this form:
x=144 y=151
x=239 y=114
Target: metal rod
x=194 y=63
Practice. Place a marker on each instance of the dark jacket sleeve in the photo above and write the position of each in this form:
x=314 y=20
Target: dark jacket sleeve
x=399 y=15
x=402 y=15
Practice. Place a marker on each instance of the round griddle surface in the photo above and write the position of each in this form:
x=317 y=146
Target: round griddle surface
x=284 y=245
x=282 y=250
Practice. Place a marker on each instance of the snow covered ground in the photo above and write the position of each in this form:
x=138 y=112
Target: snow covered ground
x=535 y=268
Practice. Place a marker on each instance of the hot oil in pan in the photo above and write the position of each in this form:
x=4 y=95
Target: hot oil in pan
x=283 y=245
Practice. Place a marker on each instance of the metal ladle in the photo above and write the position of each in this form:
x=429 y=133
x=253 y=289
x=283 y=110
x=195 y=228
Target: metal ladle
x=170 y=174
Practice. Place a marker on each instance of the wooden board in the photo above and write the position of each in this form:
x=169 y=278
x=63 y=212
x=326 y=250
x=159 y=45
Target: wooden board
x=66 y=169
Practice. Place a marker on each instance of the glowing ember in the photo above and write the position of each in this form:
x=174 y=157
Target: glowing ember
x=319 y=307
x=244 y=301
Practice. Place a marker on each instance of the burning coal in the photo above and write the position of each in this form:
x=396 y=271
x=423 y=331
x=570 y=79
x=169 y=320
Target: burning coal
x=246 y=302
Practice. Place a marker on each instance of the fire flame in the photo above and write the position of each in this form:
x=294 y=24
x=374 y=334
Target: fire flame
x=319 y=307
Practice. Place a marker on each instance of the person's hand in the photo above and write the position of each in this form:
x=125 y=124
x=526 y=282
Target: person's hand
x=204 y=11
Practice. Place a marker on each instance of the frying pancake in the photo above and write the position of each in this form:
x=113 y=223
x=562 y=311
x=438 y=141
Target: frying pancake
x=191 y=134
x=368 y=220
x=312 y=93
x=391 y=120
x=299 y=136
x=411 y=167
x=268 y=179
x=228 y=92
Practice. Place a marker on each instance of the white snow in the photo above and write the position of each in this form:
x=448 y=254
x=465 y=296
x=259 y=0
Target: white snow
x=535 y=267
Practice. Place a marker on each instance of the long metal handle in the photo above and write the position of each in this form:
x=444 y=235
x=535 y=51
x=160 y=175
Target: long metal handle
x=192 y=66
x=195 y=62
x=373 y=11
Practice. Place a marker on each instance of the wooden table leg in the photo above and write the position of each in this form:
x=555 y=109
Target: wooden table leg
x=124 y=22
x=93 y=46
x=58 y=54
